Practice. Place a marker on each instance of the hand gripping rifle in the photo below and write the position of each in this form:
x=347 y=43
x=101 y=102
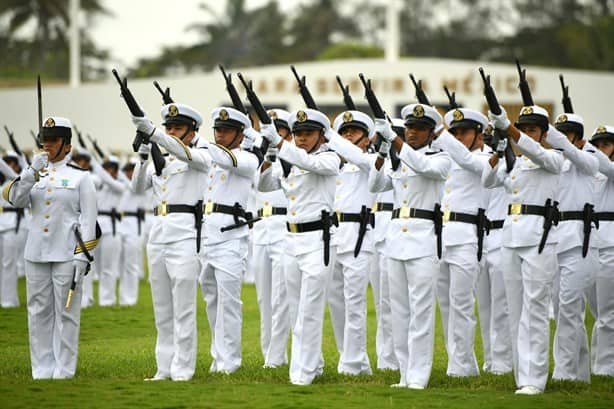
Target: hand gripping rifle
x=135 y=110
x=263 y=117
x=302 y=86
x=347 y=98
x=14 y=144
x=420 y=95
x=378 y=113
x=567 y=107
x=525 y=91
x=495 y=108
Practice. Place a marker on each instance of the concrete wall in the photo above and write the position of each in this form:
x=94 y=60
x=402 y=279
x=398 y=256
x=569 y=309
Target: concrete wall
x=97 y=108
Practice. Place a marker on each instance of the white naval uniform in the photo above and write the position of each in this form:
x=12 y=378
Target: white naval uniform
x=174 y=264
x=602 y=337
x=347 y=291
x=528 y=275
x=267 y=262
x=413 y=264
x=463 y=193
x=8 y=246
x=490 y=292
x=109 y=250
x=378 y=277
x=576 y=273
x=310 y=189
x=61 y=200
x=230 y=174
x=131 y=261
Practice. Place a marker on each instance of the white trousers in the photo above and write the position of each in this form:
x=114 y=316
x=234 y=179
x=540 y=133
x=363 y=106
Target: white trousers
x=8 y=269
x=307 y=281
x=384 y=346
x=53 y=331
x=412 y=298
x=602 y=340
x=220 y=281
x=173 y=273
x=456 y=286
x=494 y=315
x=347 y=303
x=22 y=236
x=528 y=283
x=267 y=263
x=249 y=274
x=572 y=283
x=108 y=263
x=130 y=270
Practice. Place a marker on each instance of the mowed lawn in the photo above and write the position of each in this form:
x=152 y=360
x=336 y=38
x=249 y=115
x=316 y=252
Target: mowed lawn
x=116 y=352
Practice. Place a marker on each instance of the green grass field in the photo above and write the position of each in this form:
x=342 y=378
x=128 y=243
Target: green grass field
x=117 y=351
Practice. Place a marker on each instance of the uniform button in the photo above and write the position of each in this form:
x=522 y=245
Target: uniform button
x=293 y=198
x=405 y=185
x=164 y=189
x=515 y=191
x=515 y=219
x=53 y=169
x=46 y=216
x=446 y=206
x=403 y=170
x=46 y=230
x=293 y=213
x=172 y=159
x=52 y=178
x=223 y=178
x=448 y=190
x=266 y=203
x=210 y=188
x=404 y=229
x=514 y=177
x=48 y=202
x=291 y=184
x=404 y=202
x=338 y=182
x=211 y=177
x=164 y=177
x=336 y=198
x=49 y=190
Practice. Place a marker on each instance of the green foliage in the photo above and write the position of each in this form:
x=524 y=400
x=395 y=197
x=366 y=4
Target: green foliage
x=350 y=50
x=116 y=351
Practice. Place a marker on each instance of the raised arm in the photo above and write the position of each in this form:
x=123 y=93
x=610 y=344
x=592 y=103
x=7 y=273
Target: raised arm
x=326 y=163
x=436 y=167
x=550 y=160
x=494 y=176
x=141 y=179
x=268 y=181
x=116 y=185
x=17 y=191
x=350 y=152
x=8 y=171
x=606 y=166
x=196 y=158
x=460 y=154
x=585 y=161
x=379 y=179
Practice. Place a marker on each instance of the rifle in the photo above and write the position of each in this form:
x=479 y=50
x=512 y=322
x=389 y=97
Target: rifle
x=14 y=144
x=420 y=95
x=166 y=95
x=495 y=108
x=39 y=94
x=379 y=113
x=36 y=141
x=451 y=98
x=302 y=86
x=347 y=98
x=567 y=107
x=525 y=91
x=232 y=91
x=80 y=137
x=97 y=148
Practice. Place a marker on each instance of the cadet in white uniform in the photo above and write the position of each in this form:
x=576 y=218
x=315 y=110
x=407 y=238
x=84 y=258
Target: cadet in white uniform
x=528 y=255
x=267 y=259
x=131 y=230
x=310 y=189
x=63 y=203
x=414 y=238
x=464 y=205
x=602 y=339
x=347 y=293
x=577 y=253
x=172 y=248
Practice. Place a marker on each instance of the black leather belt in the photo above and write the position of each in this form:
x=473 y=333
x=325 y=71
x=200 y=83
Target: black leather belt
x=352 y=217
x=517 y=209
x=140 y=217
x=236 y=211
x=19 y=213
x=113 y=214
x=574 y=215
x=325 y=223
x=272 y=211
x=197 y=210
x=549 y=212
x=460 y=217
x=382 y=207
x=605 y=216
x=496 y=224
x=413 y=213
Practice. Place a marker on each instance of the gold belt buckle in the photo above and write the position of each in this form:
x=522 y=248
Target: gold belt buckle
x=293 y=227
x=338 y=215
x=209 y=207
x=1 y=209
x=446 y=216
x=374 y=208
x=162 y=210
x=516 y=209
x=405 y=213
x=267 y=211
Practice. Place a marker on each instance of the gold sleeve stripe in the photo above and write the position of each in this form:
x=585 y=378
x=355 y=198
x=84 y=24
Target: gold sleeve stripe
x=185 y=148
x=89 y=246
x=229 y=152
x=7 y=189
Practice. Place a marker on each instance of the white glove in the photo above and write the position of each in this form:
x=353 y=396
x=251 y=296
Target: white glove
x=269 y=132
x=80 y=270
x=384 y=148
x=271 y=153
x=384 y=128
x=144 y=151
x=329 y=134
x=143 y=124
x=249 y=136
x=40 y=161
x=499 y=121
x=501 y=146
